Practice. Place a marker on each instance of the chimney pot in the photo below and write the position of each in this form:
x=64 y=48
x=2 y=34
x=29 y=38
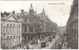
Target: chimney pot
x=13 y=12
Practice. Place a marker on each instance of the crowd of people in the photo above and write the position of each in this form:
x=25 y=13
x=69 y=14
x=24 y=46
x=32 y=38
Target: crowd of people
x=39 y=43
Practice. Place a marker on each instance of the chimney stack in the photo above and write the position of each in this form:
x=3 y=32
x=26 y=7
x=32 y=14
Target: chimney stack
x=13 y=12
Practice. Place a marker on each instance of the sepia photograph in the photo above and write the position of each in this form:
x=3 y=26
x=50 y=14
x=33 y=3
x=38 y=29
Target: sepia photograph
x=39 y=24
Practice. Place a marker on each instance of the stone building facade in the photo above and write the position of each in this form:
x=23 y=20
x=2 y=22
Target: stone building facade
x=36 y=26
x=25 y=26
x=72 y=27
x=10 y=31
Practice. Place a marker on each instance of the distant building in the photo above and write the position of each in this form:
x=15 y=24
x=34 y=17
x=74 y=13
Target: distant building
x=72 y=27
x=10 y=31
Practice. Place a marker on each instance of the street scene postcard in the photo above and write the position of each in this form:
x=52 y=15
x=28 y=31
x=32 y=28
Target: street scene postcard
x=38 y=24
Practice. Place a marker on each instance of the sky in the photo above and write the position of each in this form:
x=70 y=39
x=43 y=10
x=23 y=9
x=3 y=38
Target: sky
x=57 y=10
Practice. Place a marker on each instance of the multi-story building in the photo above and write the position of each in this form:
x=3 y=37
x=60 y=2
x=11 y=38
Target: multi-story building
x=10 y=31
x=72 y=27
x=36 y=26
x=28 y=25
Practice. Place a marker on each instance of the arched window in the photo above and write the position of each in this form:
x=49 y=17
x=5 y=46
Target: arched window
x=7 y=28
x=25 y=28
x=10 y=28
x=30 y=28
x=13 y=28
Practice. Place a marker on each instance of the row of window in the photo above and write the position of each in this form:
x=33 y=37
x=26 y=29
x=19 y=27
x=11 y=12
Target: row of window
x=11 y=37
x=32 y=28
x=11 y=28
x=10 y=25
